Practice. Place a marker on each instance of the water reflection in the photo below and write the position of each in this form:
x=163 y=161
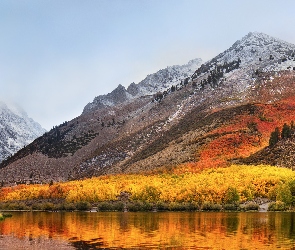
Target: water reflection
x=157 y=230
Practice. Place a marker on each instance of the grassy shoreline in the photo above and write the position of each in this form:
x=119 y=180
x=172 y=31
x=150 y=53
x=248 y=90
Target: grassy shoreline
x=137 y=206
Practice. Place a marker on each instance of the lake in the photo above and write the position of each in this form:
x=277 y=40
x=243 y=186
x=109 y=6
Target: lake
x=147 y=230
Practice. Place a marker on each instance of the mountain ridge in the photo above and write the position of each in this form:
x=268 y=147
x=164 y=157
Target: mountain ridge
x=153 y=83
x=208 y=119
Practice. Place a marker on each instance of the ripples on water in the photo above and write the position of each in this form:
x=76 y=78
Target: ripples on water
x=166 y=230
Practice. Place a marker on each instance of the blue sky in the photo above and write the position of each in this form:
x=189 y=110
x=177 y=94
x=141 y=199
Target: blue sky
x=56 y=56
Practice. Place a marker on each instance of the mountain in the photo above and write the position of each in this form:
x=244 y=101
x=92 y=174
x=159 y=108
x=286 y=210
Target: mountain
x=152 y=84
x=17 y=129
x=182 y=118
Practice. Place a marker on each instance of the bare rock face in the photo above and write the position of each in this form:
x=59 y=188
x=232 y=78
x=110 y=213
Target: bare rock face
x=16 y=129
x=117 y=96
x=133 y=89
x=166 y=119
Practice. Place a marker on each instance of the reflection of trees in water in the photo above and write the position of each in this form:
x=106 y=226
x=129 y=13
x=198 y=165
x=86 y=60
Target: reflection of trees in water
x=292 y=223
x=283 y=224
x=232 y=223
x=124 y=221
x=271 y=227
x=287 y=225
x=207 y=222
x=134 y=229
x=146 y=222
x=186 y=222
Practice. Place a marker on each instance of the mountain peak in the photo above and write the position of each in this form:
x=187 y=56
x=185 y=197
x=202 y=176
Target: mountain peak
x=17 y=129
x=120 y=87
x=14 y=108
x=256 y=34
x=153 y=83
x=254 y=46
x=259 y=39
x=195 y=61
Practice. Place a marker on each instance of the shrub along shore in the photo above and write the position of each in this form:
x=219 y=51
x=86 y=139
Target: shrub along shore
x=132 y=206
x=235 y=188
x=3 y=216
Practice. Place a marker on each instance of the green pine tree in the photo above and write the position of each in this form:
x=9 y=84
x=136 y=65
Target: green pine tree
x=274 y=137
x=286 y=131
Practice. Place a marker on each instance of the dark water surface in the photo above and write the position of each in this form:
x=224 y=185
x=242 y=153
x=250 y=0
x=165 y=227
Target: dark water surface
x=165 y=230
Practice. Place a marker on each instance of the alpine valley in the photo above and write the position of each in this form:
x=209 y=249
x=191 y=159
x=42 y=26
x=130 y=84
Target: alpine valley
x=180 y=119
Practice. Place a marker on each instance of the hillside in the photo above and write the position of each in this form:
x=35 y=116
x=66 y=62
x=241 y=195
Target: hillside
x=280 y=151
x=16 y=129
x=177 y=118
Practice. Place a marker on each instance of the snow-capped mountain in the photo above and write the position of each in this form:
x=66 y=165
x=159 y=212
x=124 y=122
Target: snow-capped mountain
x=190 y=113
x=167 y=77
x=153 y=83
x=16 y=129
x=257 y=45
x=241 y=63
x=236 y=72
x=254 y=52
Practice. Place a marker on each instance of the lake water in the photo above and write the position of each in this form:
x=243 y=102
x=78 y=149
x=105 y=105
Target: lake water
x=163 y=230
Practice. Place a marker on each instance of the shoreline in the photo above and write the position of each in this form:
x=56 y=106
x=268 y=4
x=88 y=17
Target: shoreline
x=135 y=206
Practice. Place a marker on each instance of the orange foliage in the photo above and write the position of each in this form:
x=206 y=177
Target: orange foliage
x=245 y=135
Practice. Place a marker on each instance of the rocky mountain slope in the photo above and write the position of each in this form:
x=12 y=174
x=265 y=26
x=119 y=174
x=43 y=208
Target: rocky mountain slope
x=16 y=129
x=152 y=84
x=282 y=155
x=280 y=151
x=225 y=110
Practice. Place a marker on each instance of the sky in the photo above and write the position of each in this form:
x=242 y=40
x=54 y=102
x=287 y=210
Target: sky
x=56 y=56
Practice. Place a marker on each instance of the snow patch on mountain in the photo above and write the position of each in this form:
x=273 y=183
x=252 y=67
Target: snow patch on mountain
x=16 y=129
x=165 y=78
x=152 y=84
x=256 y=45
x=237 y=68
